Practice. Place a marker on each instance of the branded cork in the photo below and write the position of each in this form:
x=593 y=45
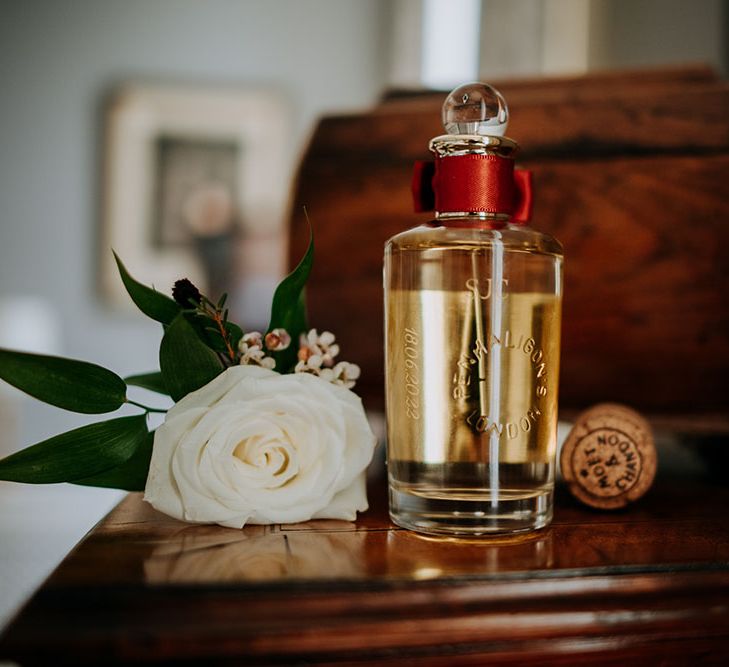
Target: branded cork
x=609 y=457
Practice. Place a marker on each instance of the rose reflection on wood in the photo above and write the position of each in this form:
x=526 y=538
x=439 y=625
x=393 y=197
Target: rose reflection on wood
x=204 y=554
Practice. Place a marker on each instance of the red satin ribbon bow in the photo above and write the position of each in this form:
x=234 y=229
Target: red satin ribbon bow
x=473 y=183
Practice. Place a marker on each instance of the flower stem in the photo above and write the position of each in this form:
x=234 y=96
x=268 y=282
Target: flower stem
x=219 y=317
x=224 y=335
x=144 y=407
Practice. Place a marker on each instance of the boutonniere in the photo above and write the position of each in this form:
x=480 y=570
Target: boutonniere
x=265 y=427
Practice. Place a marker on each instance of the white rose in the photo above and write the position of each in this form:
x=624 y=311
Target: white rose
x=255 y=446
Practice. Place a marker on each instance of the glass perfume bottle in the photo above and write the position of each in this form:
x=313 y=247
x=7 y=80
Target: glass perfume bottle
x=472 y=334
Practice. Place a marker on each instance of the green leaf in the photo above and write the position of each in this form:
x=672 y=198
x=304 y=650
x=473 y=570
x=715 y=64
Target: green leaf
x=288 y=310
x=66 y=383
x=152 y=381
x=186 y=362
x=129 y=476
x=152 y=303
x=235 y=333
x=77 y=454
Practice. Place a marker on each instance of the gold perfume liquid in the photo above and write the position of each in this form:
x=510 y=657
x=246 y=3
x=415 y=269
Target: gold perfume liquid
x=472 y=367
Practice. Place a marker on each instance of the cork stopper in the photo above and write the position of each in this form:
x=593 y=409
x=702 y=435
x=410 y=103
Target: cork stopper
x=609 y=457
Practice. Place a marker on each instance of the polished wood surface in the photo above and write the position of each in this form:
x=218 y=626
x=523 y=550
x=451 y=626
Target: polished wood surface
x=650 y=583
x=631 y=175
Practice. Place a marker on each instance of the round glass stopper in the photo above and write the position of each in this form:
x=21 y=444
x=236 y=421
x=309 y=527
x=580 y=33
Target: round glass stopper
x=475 y=108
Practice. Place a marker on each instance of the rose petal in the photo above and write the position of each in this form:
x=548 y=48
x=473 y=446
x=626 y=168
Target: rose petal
x=346 y=503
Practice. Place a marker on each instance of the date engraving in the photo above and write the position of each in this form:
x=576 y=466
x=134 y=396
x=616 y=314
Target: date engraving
x=411 y=340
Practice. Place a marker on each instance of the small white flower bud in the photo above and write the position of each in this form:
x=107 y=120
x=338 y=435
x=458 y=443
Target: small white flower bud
x=326 y=339
x=252 y=338
x=278 y=340
x=300 y=367
x=327 y=374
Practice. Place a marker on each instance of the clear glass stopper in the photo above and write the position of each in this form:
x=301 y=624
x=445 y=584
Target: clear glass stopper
x=475 y=108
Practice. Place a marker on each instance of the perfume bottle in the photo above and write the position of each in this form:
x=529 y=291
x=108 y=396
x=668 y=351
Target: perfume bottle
x=472 y=334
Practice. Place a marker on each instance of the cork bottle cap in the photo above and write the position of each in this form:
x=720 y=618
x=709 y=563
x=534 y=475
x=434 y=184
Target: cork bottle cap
x=609 y=457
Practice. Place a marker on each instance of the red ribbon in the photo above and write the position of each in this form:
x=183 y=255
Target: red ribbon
x=473 y=183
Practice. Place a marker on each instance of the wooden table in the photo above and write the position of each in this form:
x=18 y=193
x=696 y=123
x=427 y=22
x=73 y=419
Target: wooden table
x=649 y=584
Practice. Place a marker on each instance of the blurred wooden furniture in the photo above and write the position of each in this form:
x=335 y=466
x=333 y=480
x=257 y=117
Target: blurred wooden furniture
x=649 y=585
x=631 y=174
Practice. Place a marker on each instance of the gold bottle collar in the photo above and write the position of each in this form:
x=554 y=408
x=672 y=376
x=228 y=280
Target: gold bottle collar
x=447 y=145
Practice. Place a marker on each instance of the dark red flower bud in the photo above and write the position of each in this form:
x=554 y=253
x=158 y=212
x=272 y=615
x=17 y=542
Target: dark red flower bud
x=185 y=293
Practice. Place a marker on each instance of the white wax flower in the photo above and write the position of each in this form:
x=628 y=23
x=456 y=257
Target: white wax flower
x=255 y=446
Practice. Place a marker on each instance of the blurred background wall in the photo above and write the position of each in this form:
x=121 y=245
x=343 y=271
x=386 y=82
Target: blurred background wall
x=60 y=60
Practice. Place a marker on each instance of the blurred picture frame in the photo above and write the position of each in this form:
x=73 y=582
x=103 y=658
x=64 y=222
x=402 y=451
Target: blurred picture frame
x=190 y=173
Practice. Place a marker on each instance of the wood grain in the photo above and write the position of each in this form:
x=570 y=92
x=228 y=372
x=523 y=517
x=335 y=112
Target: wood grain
x=650 y=584
x=628 y=177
